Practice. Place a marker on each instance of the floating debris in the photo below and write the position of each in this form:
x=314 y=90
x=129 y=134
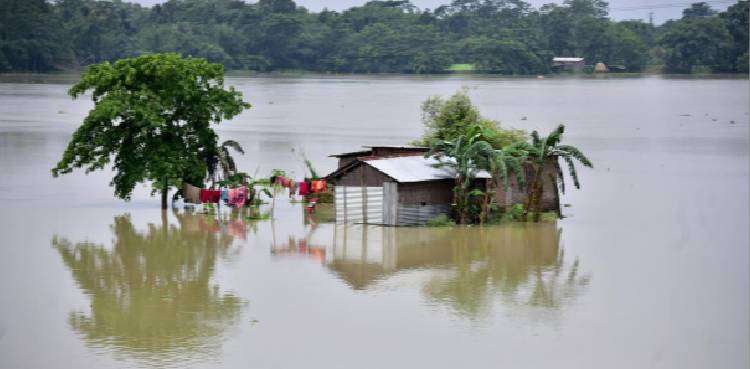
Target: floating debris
x=686 y=115
x=523 y=118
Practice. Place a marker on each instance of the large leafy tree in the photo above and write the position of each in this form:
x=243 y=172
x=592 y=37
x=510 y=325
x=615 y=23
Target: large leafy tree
x=736 y=18
x=697 y=41
x=151 y=121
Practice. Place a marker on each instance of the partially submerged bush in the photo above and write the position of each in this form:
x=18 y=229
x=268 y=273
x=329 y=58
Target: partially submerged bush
x=441 y=220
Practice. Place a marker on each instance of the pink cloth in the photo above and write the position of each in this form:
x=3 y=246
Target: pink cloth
x=238 y=196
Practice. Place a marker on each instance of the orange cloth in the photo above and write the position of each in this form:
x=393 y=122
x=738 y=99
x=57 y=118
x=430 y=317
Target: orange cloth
x=319 y=186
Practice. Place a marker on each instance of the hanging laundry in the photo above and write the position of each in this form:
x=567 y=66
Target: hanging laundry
x=225 y=194
x=319 y=186
x=191 y=194
x=303 y=189
x=209 y=196
x=238 y=196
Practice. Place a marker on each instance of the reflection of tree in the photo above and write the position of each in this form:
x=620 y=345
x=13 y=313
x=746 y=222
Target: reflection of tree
x=150 y=293
x=523 y=264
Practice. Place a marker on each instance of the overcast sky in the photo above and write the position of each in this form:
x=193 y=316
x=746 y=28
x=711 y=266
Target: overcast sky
x=619 y=9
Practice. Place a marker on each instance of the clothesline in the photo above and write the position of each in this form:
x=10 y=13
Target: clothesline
x=241 y=196
x=237 y=197
x=303 y=188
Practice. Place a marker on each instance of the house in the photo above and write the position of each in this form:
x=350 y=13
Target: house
x=567 y=64
x=398 y=185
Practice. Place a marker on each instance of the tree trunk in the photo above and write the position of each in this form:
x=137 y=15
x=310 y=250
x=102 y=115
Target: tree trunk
x=538 y=201
x=485 y=201
x=531 y=192
x=456 y=190
x=557 y=196
x=164 y=192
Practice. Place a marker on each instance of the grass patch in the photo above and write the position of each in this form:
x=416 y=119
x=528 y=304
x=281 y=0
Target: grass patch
x=461 y=68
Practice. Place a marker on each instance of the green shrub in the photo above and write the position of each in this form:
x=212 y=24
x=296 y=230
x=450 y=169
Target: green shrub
x=441 y=220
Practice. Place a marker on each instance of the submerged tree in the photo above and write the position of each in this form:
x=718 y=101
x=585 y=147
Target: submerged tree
x=501 y=165
x=541 y=152
x=152 y=120
x=467 y=155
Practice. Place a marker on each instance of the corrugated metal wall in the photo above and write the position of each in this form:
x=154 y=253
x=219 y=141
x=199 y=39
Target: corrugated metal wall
x=409 y=214
x=356 y=204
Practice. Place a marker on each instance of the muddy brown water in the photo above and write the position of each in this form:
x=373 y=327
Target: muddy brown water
x=649 y=269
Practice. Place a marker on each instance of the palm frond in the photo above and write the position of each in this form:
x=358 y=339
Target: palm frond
x=535 y=140
x=515 y=166
x=572 y=169
x=576 y=154
x=560 y=176
x=555 y=136
x=234 y=145
x=501 y=170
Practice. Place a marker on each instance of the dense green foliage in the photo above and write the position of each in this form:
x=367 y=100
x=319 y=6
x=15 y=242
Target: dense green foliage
x=152 y=120
x=460 y=139
x=448 y=119
x=494 y=36
x=466 y=155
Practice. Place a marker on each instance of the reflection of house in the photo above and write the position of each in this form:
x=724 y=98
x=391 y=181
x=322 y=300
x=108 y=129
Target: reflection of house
x=394 y=185
x=362 y=255
x=567 y=64
x=466 y=269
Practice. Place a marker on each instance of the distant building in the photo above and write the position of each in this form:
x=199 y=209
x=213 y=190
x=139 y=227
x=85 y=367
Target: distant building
x=567 y=64
x=397 y=185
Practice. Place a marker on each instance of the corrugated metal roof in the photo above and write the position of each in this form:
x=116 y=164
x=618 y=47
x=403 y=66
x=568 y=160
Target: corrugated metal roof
x=409 y=147
x=362 y=152
x=415 y=169
x=559 y=59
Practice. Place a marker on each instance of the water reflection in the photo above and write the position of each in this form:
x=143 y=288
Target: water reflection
x=151 y=292
x=466 y=269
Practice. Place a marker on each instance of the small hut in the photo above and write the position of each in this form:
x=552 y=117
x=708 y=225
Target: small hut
x=567 y=64
x=397 y=185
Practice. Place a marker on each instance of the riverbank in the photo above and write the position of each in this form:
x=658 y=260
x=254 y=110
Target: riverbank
x=70 y=77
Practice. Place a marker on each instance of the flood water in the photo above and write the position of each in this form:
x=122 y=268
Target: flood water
x=648 y=270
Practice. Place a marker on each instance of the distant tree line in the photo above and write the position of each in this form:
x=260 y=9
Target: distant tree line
x=495 y=36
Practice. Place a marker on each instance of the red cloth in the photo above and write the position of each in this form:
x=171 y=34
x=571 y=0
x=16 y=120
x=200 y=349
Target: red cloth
x=210 y=195
x=303 y=190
